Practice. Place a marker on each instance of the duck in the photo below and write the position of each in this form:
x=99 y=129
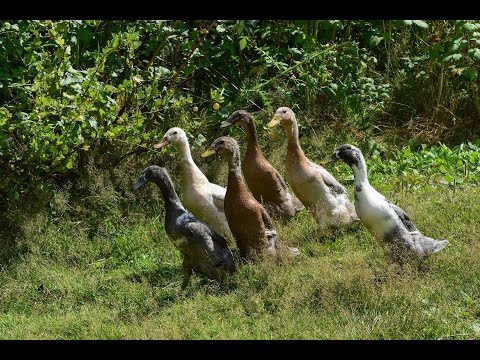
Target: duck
x=380 y=216
x=250 y=223
x=204 y=251
x=317 y=189
x=264 y=181
x=203 y=199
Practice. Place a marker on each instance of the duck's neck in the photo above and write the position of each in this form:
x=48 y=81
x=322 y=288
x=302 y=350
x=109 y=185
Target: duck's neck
x=252 y=140
x=172 y=201
x=183 y=149
x=234 y=165
x=293 y=147
x=189 y=171
x=235 y=182
x=360 y=172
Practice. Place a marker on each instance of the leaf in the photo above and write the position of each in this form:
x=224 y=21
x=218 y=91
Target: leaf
x=408 y=22
x=220 y=28
x=470 y=74
x=375 y=40
x=328 y=91
x=60 y=41
x=238 y=27
x=449 y=178
x=453 y=56
x=475 y=53
x=85 y=34
x=93 y=123
x=470 y=27
x=242 y=43
x=443 y=169
x=420 y=23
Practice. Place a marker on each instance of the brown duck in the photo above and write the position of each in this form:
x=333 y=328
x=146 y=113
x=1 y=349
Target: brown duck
x=248 y=220
x=264 y=181
x=316 y=188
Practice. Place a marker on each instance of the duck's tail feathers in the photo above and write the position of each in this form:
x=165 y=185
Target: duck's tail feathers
x=431 y=246
x=293 y=251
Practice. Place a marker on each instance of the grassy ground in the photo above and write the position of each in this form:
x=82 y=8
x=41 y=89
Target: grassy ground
x=96 y=263
x=124 y=283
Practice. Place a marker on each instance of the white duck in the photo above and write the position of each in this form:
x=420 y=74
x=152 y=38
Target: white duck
x=316 y=188
x=381 y=217
x=202 y=198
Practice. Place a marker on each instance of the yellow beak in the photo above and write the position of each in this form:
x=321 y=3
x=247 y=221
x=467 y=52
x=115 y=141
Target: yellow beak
x=208 y=152
x=275 y=121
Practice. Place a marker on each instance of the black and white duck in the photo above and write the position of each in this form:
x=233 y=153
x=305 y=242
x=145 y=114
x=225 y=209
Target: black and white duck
x=380 y=216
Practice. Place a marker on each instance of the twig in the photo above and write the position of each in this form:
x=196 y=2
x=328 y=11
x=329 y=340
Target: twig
x=162 y=44
x=258 y=87
x=187 y=60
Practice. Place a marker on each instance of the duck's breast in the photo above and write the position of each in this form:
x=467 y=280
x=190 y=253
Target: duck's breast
x=374 y=211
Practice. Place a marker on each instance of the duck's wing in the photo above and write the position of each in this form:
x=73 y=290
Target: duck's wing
x=406 y=221
x=334 y=186
x=218 y=196
x=198 y=233
x=279 y=180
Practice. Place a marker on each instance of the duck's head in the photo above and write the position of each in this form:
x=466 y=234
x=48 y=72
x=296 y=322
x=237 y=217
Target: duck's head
x=224 y=145
x=153 y=172
x=347 y=153
x=283 y=116
x=239 y=117
x=174 y=136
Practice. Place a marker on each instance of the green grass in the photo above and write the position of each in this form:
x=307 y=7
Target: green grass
x=124 y=282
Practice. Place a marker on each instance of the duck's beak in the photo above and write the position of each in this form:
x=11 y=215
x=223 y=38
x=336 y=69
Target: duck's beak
x=225 y=123
x=142 y=181
x=161 y=143
x=331 y=158
x=275 y=121
x=208 y=152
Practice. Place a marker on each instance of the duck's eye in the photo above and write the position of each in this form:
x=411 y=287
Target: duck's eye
x=174 y=133
x=284 y=111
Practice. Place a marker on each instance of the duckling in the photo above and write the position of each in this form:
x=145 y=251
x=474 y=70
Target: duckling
x=316 y=188
x=249 y=222
x=201 y=197
x=381 y=217
x=264 y=181
x=204 y=251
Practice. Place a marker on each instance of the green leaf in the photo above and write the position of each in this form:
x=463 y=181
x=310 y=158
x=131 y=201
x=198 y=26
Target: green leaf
x=470 y=74
x=242 y=43
x=239 y=26
x=408 y=22
x=85 y=34
x=328 y=91
x=443 y=169
x=449 y=178
x=420 y=23
x=474 y=53
x=93 y=123
x=470 y=27
x=375 y=40
x=60 y=41
x=220 y=28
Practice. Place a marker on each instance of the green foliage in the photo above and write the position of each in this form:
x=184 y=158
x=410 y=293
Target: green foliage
x=74 y=89
x=418 y=165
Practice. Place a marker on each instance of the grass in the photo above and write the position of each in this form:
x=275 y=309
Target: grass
x=94 y=262
x=69 y=285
